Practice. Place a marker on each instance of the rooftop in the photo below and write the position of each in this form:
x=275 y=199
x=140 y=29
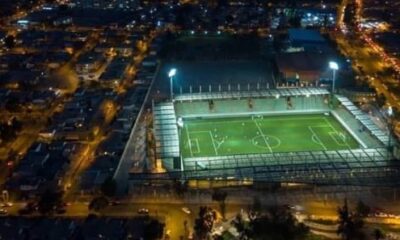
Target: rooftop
x=305 y=35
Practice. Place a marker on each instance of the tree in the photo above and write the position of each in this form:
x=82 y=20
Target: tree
x=295 y=21
x=180 y=187
x=220 y=197
x=362 y=210
x=49 y=201
x=109 y=187
x=240 y=225
x=6 y=132
x=12 y=104
x=277 y=223
x=396 y=113
x=349 y=225
x=255 y=209
x=63 y=8
x=256 y=206
x=204 y=223
x=98 y=203
x=380 y=100
x=229 y=18
x=9 y=41
x=16 y=125
x=378 y=234
x=153 y=230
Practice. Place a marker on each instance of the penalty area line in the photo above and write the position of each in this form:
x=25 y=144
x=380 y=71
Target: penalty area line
x=189 y=141
x=337 y=132
x=212 y=140
x=316 y=136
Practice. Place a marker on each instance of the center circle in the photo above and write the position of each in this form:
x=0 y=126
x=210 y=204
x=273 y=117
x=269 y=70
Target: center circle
x=263 y=141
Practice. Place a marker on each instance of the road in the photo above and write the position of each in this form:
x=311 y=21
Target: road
x=318 y=205
x=370 y=64
x=133 y=152
x=366 y=53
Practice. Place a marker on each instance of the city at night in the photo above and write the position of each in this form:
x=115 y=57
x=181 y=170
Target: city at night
x=200 y=119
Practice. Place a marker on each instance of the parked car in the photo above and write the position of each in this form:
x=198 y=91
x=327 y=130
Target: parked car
x=143 y=211
x=186 y=210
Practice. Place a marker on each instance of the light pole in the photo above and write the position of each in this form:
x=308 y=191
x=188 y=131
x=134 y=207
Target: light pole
x=334 y=67
x=389 y=125
x=171 y=75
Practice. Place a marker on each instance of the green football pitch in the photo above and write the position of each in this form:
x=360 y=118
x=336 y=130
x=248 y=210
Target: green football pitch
x=263 y=134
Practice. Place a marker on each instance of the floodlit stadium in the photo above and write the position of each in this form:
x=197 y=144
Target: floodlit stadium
x=302 y=135
x=263 y=134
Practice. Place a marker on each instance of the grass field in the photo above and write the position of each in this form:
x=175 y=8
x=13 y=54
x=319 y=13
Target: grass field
x=263 y=134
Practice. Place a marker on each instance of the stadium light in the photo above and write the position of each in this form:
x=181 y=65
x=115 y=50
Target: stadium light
x=390 y=111
x=172 y=72
x=179 y=122
x=334 y=67
x=277 y=96
x=390 y=127
x=171 y=75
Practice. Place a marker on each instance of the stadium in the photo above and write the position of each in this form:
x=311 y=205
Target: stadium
x=292 y=135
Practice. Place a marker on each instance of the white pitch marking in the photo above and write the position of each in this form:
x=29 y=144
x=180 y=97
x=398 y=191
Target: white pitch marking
x=316 y=136
x=264 y=136
x=212 y=140
x=188 y=137
x=334 y=129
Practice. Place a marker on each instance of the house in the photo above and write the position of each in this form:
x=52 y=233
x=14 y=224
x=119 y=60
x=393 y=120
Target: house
x=88 y=64
x=115 y=72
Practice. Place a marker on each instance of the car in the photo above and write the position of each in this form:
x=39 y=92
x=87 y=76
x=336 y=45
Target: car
x=115 y=203
x=7 y=204
x=3 y=211
x=143 y=211
x=186 y=210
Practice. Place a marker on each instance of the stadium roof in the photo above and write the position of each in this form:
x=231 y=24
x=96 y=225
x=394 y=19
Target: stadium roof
x=305 y=35
x=282 y=92
x=364 y=119
x=302 y=61
x=166 y=130
x=369 y=167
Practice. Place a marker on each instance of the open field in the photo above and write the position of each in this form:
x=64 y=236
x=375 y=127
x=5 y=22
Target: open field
x=263 y=134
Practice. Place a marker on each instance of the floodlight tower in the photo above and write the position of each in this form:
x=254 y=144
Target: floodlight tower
x=334 y=67
x=171 y=75
x=389 y=125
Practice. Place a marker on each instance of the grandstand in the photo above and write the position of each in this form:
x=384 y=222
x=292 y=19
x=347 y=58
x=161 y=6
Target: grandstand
x=301 y=135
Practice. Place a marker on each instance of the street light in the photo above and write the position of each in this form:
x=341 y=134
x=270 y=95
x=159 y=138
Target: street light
x=334 y=67
x=171 y=75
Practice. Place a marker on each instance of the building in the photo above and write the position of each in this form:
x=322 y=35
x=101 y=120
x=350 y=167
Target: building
x=307 y=40
x=106 y=4
x=302 y=67
x=88 y=64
